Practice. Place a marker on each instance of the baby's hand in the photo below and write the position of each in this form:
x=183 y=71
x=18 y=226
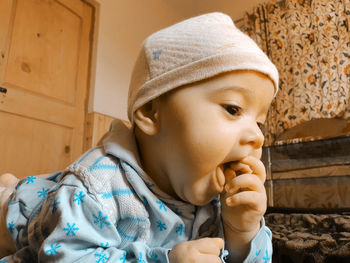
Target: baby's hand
x=244 y=197
x=204 y=250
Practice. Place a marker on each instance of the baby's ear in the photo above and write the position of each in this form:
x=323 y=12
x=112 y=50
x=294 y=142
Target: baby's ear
x=147 y=117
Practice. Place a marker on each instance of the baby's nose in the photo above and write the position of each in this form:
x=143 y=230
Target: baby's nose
x=253 y=136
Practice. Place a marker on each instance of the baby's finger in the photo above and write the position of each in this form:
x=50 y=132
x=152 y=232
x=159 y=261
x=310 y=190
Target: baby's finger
x=240 y=168
x=204 y=258
x=256 y=165
x=229 y=174
x=255 y=200
x=244 y=182
x=209 y=245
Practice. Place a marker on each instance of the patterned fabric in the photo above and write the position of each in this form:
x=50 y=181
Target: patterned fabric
x=5 y=240
x=309 y=42
x=74 y=215
x=104 y=208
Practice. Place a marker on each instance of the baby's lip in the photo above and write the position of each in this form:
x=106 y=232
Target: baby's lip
x=227 y=165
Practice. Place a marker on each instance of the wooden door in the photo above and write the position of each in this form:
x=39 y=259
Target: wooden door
x=44 y=70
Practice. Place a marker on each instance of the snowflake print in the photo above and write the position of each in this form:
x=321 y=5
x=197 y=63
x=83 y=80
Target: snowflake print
x=11 y=227
x=54 y=205
x=30 y=179
x=161 y=225
x=53 y=249
x=257 y=253
x=79 y=198
x=180 y=229
x=101 y=258
x=161 y=205
x=71 y=229
x=123 y=258
x=101 y=220
x=140 y=259
x=266 y=258
x=157 y=53
x=43 y=192
x=104 y=244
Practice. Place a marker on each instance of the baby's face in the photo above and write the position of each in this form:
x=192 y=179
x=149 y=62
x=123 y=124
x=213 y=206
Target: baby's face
x=209 y=124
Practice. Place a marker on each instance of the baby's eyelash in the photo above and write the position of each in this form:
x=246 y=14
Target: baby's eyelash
x=234 y=110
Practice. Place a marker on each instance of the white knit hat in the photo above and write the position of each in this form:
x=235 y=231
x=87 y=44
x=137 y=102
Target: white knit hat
x=194 y=49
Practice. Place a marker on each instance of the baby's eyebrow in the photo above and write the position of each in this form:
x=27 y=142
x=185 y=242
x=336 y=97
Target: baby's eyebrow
x=234 y=88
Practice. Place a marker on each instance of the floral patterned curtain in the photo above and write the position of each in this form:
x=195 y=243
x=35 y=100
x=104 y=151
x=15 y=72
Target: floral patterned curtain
x=309 y=42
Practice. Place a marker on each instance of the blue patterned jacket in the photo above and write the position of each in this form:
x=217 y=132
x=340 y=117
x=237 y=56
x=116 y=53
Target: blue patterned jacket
x=104 y=208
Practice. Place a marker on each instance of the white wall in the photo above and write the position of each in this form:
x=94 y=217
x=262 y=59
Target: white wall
x=122 y=26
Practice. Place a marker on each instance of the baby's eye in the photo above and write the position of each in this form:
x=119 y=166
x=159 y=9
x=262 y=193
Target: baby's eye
x=233 y=109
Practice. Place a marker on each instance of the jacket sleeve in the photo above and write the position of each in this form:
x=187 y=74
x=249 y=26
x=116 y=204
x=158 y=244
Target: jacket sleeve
x=72 y=227
x=261 y=246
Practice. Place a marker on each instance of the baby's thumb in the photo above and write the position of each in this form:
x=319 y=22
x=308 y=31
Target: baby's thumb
x=218 y=241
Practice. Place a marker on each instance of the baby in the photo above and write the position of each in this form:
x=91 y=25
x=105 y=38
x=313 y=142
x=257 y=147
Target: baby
x=183 y=182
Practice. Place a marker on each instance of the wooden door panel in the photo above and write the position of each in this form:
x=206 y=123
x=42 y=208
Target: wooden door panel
x=39 y=107
x=5 y=15
x=34 y=147
x=44 y=49
x=44 y=65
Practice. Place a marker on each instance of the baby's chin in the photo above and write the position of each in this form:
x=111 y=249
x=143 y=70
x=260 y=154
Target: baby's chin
x=202 y=194
x=201 y=202
x=215 y=187
x=200 y=199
